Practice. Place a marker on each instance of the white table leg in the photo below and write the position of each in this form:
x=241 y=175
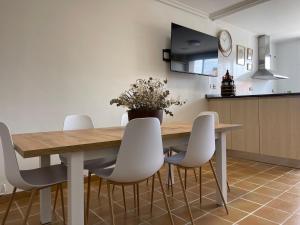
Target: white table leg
x=221 y=166
x=75 y=189
x=45 y=196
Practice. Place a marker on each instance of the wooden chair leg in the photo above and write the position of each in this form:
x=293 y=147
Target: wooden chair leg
x=218 y=185
x=99 y=188
x=152 y=193
x=165 y=197
x=33 y=192
x=124 y=200
x=110 y=204
x=200 y=184
x=134 y=196
x=185 y=178
x=138 y=198
x=62 y=202
x=55 y=198
x=147 y=181
x=170 y=174
x=195 y=174
x=87 y=209
x=185 y=197
x=228 y=188
x=9 y=205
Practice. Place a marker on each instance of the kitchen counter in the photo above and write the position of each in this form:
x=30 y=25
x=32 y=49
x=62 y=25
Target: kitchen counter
x=271 y=126
x=257 y=95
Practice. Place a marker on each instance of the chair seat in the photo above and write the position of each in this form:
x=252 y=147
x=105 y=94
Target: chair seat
x=99 y=163
x=175 y=159
x=103 y=172
x=45 y=176
x=179 y=148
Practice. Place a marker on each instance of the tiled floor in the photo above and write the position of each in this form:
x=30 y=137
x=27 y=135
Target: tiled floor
x=260 y=194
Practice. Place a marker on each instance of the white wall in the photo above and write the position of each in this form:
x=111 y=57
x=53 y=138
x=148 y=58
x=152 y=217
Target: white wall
x=287 y=63
x=72 y=56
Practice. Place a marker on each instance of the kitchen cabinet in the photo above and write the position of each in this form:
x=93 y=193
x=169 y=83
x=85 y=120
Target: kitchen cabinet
x=222 y=107
x=271 y=125
x=245 y=112
x=280 y=127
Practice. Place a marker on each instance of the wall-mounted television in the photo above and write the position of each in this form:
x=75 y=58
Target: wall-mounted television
x=193 y=52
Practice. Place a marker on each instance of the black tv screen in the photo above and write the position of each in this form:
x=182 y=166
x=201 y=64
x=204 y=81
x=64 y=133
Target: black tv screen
x=193 y=52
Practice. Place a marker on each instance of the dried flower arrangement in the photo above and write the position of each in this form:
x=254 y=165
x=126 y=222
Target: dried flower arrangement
x=147 y=95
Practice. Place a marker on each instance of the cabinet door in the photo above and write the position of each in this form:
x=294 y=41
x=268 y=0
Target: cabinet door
x=245 y=111
x=294 y=114
x=222 y=107
x=275 y=126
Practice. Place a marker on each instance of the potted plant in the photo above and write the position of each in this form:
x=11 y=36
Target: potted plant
x=147 y=98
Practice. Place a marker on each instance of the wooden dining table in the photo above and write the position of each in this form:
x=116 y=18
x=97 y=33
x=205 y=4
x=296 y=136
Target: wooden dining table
x=98 y=142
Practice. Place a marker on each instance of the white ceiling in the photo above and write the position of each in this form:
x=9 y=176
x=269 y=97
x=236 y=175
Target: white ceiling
x=278 y=18
x=209 y=6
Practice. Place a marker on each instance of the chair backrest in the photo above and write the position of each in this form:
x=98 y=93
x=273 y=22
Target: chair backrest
x=141 y=151
x=78 y=122
x=124 y=119
x=11 y=166
x=215 y=115
x=201 y=146
x=75 y=122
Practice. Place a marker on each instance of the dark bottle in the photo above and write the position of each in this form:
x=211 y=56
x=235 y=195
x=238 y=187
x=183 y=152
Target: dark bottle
x=228 y=86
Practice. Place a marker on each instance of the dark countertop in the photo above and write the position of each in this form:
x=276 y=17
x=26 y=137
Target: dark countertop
x=252 y=96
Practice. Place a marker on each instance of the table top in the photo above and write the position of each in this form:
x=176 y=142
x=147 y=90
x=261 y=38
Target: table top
x=56 y=142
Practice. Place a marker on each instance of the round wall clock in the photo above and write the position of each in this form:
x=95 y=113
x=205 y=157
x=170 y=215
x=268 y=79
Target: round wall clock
x=225 y=43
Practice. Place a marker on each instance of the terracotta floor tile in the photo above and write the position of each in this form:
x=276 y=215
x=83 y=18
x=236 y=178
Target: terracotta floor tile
x=173 y=203
x=257 y=180
x=288 y=180
x=278 y=186
x=272 y=214
x=253 y=220
x=182 y=212
x=258 y=198
x=211 y=220
x=233 y=216
x=294 y=220
x=295 y=172
x=295 y=190
x=165 y=220
x=207 y=205
x=232 y=195
x=14 y=215
x=246 y=185
x=244 y=205
x=290 y=197
x=289 y=207
x=244 y=178
x=268 y=192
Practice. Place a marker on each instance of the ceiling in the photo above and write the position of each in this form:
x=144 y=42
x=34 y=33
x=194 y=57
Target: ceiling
x=278 y=18
x=209 y=6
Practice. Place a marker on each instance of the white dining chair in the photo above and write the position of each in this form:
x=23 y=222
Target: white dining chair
x=140 y=157
x=81 y=122
x=200 y=149
x=124 y=119
x=28 y=180
x=178 y=149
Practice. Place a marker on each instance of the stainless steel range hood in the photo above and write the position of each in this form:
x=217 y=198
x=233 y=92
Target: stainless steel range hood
x=264 y=61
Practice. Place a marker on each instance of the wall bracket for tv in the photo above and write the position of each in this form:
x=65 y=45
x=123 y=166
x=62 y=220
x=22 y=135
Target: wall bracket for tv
x=166 y=55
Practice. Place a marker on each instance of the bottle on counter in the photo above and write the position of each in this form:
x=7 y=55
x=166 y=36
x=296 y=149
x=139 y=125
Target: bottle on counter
x=228 y=86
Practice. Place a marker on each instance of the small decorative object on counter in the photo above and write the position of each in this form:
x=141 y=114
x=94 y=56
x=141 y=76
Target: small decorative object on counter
x=228 y=86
